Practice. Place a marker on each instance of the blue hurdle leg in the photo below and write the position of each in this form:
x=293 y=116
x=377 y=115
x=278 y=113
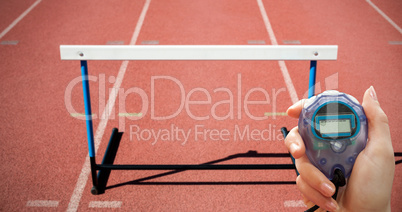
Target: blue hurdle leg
x=88 y=118
x=311 y=85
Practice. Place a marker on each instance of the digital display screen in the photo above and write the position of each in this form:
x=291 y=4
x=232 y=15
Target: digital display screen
x=332 y=126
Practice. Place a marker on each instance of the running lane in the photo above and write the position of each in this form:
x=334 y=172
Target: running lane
x=226 y=83
x=43 y=146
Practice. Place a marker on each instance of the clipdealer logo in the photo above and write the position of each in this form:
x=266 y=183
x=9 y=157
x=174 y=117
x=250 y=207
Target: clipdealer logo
x=230 y=108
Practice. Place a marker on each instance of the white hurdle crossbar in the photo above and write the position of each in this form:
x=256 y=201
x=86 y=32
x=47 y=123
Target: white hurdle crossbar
x=198 y=52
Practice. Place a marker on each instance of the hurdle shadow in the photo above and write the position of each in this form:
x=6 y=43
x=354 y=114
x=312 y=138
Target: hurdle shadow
x=249 y=154
x=142 y=181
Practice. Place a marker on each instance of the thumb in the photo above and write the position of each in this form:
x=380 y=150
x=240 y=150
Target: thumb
x=295 y=110
x=379 y=138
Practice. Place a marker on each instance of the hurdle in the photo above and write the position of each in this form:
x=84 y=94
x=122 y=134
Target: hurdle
x=101 y=171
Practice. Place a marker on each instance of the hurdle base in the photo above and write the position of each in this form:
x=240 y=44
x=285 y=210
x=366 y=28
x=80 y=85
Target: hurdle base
x=104 y=169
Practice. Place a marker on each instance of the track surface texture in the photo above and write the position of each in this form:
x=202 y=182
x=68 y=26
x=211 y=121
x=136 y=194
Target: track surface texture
x=44 y=164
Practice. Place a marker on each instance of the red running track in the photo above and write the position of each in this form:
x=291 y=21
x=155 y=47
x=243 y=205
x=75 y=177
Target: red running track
x=44 y=147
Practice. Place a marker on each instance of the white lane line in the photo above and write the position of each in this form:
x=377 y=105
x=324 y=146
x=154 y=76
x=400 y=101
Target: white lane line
x=15 y=22
x=105 y=204
x=150 y=42
x=256 y=41
x=291 y=42
x=384 y=16
x=115 y=42
x=43 y=203
x=267 y=23
x=282 y=65
x=294 y=204
x=9 y=42
x=288 y=81
x=395 y=42
x=85 y=171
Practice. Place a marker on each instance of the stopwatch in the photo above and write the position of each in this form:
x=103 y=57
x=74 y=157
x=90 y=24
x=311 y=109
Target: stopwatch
x=334 y=127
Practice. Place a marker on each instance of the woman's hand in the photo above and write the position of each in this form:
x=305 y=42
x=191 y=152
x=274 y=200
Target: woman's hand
x=369 y=185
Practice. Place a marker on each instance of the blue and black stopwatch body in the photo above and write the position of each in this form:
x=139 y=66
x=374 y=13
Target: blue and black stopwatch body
x=333 y=126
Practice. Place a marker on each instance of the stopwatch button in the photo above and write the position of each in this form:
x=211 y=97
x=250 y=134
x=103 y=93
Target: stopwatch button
x=323 y=161
x=351 y=160
x=338 y=146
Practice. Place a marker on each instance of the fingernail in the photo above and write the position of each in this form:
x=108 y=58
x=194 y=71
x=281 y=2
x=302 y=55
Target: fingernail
x=293 y=147
x=331 y=206
x=327 y=189
x=373 y=94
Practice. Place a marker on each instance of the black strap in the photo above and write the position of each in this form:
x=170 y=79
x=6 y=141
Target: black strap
x=315 y=207
x=339 y=181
